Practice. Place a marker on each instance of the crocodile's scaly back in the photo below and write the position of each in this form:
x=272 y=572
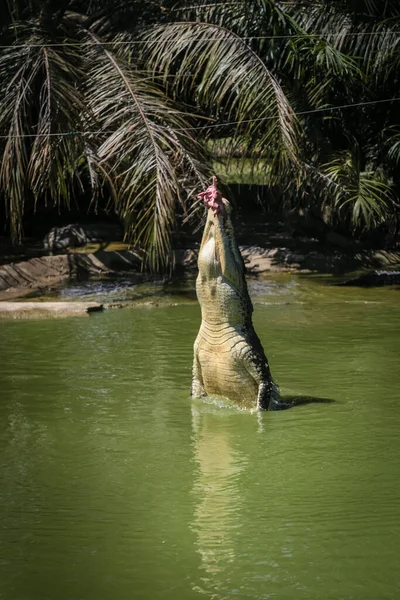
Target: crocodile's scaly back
x=228 y=356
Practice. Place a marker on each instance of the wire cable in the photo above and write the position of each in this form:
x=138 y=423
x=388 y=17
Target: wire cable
x=304 y=112
x=203 y=127
x=211 y=39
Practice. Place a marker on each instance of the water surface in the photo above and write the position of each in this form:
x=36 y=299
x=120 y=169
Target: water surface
x=114 y=485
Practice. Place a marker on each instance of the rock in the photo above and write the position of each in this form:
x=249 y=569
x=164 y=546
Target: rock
x=274 y=260
x=75 y=235
x=48 y=271
x=36 y=272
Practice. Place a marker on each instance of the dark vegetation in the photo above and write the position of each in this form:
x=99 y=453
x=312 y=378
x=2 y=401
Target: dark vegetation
x=119 y=108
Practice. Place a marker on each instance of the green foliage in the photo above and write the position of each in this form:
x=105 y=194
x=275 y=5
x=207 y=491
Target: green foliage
x=294 y=89
x=229 y=82
x=150 y=151
x=67 y=72
x=258 y=62
x=40 y=99
x=361 y=194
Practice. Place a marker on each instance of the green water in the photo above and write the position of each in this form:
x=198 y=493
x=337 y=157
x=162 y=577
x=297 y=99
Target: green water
x=114 y=485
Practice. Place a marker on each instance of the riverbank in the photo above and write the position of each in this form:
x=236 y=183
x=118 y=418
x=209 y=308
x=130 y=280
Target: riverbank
x=34 y=276
x=37 y=275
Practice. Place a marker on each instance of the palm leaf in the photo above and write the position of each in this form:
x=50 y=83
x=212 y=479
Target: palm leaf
x=40 y=103
x=52 y=169
x=147 y=147
x=363 y=193
x=229 y=82
x=19 y=73
x=393 y=145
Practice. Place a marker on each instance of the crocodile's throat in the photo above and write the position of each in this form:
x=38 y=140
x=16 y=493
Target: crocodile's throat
x=209 y=256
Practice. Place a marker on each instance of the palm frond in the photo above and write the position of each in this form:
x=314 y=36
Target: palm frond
x=372 y=43
x=15 y=122
x=393 y=145
x=362 y=194
x=148 y=147
x=40 y=100
x=230 y=82
x=53 y=160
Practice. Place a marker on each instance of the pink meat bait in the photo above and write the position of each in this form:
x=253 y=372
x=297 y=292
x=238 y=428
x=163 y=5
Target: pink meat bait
x=213 y=198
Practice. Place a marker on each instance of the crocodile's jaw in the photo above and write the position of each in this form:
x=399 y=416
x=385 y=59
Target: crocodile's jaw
x=219 y=254
x=221 y=288
x=209 y=262
x=210 y=251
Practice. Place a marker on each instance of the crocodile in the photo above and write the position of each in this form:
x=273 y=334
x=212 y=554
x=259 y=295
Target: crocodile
x=229 y=359
x=374 y=279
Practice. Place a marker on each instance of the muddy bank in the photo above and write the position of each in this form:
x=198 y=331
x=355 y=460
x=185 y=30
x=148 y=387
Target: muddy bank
x=39 y=274
x=285 y=260
x=28 y=277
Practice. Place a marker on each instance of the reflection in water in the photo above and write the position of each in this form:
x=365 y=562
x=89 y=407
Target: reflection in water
x=217 y=492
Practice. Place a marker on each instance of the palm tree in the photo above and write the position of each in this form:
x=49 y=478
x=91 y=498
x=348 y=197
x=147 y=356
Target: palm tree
x=76 y=112
x=335 y=63
x=79 y=110
x=126 y=100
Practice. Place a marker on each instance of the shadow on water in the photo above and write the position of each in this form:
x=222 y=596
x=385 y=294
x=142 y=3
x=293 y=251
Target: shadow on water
x=286 y=402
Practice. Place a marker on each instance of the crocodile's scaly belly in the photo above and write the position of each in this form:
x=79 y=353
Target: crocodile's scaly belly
x=221 y=302
x=220 y=353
